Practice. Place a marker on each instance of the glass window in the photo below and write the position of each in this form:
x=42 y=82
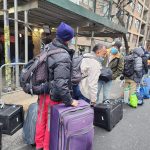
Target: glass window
x=103 y=7
x=86 y=2
x=91 y=4
x=134 y=39
x=139 y=8
x=130 y=22
x=75 y=1
x=137 y=24
x=132 y=5
x=128 y=35
x=126 y=17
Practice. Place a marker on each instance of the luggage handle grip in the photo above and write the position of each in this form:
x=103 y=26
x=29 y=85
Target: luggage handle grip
x=2 y=104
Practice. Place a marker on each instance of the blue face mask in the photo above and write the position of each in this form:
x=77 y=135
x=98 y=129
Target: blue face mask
x=73 y=41
x=114 y=51
x=100 y=59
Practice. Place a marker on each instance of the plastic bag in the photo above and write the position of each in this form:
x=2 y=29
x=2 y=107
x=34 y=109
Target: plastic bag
x=126 y=95
x=133 y=100
x=29 y=126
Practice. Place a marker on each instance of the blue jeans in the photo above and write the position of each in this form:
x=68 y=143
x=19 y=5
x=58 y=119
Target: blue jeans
x=106 y=90
x=77 y=94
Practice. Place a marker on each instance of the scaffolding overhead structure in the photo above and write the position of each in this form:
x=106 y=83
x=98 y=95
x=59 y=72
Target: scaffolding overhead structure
x=7 y=44
x=37 y=13
x=9 y=12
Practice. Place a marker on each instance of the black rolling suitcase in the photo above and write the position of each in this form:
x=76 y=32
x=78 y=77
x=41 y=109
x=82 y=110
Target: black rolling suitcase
x=12 y=117
x=107 y=115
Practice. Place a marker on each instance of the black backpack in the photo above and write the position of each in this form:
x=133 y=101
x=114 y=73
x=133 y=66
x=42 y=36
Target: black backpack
x=106 y=74
x=34 y=75
x=76 y=75
x=145 y=64
x=129 y=63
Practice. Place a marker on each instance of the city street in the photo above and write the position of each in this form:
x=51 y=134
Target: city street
x=131 y=133
x=39 y=42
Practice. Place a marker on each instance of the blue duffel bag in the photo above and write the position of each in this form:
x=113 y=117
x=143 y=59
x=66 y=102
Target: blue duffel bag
x=146 y=92
x=146 y=88
x=140 y=95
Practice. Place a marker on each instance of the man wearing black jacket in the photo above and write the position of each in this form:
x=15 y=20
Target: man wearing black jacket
x=59 y=69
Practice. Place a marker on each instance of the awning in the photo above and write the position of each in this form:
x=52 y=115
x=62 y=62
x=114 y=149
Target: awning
x=52 y=12
x=79 y=14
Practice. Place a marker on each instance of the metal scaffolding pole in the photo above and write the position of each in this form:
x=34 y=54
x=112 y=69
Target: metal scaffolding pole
x=110 y=9
x=7 y=44
x=26 y=35
x=92 y=40
x=16 y=41
x=76 y=39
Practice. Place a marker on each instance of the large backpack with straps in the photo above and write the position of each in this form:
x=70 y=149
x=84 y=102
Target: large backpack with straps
x=76 y=74
x=145 y=64
x=129 y=63
x=34 y=75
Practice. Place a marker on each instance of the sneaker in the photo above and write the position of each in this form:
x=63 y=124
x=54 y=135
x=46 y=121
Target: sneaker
x=140 y=102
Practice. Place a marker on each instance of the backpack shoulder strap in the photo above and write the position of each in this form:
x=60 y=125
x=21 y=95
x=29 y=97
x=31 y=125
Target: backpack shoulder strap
x=56 y=51
x=117 y=59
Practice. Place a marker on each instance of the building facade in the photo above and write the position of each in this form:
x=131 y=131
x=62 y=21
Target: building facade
x=148 y=33
x=134 y=17
x=138 y=22
x=105 y=9
x=90 y=17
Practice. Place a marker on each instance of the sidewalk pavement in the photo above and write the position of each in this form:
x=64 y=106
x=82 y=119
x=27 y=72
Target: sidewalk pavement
x=131 y=133
x=19 y=98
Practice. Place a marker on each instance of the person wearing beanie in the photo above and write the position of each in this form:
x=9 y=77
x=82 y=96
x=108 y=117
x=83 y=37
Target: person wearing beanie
x=64 y=32
x=59 y=71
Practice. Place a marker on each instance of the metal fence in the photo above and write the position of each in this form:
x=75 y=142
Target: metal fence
x=4 y=87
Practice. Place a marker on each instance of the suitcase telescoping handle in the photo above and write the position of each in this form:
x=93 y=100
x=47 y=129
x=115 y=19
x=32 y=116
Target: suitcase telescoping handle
x=115 y=101
x=2 y=104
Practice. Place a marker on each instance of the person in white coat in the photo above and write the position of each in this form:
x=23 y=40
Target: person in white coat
x=91 y=69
